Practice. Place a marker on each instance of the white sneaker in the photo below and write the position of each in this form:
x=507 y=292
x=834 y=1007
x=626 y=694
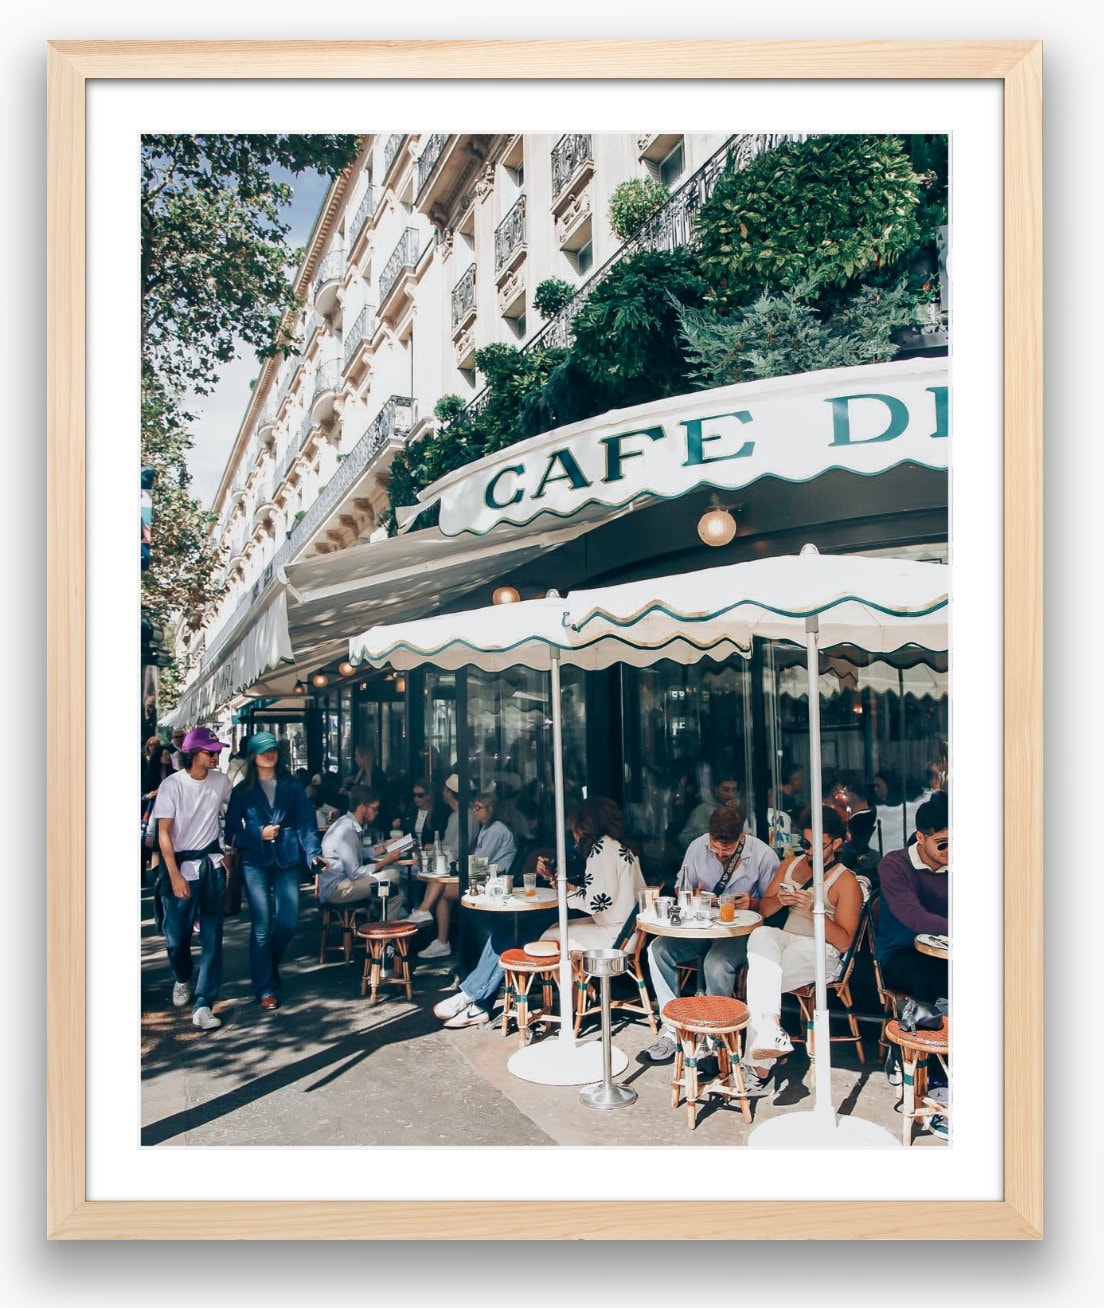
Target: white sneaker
x=182 y=992
x=435 y=950
x=770 y=1044
x=452 y=1005
x=420 y=915
x=205 y=1019
x=473 y=1015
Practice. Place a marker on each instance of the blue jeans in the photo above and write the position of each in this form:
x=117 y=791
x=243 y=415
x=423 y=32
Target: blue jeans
x=482 y=982
x=180 y=917
x=273 y=894
x=723 y=958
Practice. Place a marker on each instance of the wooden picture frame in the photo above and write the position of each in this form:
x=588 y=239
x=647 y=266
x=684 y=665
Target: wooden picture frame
x=1017 y=67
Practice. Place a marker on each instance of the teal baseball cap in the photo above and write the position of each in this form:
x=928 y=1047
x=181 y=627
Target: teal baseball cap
x=262 y=742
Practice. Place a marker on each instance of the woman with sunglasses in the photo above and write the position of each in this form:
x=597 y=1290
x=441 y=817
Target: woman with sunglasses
x=784 y=959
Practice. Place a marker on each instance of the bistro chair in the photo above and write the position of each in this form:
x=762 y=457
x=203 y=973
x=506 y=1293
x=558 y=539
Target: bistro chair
x=722 y=1019
x=889 y=998
x=587 y=1004
x=841 y=988
x=916 y=1048
x=336 y=915
x=520 y=971
x=377 y=936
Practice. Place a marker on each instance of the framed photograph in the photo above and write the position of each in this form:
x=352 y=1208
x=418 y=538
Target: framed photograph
x=110 y=1179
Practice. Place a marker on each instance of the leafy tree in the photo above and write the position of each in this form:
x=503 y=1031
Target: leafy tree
x=552 y=295
x=627 y=333
x=831 y=207
x=215 y=271
x=215 y=258
x=777 y=335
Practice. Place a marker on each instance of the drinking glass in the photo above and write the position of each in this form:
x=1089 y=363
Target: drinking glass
x=529 y=879
x=728 y=910
x=642 y=901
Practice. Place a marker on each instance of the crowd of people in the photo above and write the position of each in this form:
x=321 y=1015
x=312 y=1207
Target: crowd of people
x=269 y=820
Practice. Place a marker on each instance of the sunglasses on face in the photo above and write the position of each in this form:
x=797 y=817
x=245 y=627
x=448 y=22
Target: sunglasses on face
x=942 y=845
x=419 y=794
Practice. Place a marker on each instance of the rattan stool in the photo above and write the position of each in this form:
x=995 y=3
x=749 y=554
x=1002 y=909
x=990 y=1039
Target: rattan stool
x=377 y=936
x=520 y=969
x=916 y=1047
x=723 y=1019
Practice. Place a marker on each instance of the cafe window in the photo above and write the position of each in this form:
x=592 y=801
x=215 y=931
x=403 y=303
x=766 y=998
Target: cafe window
x=510 y=717
x=686 y=729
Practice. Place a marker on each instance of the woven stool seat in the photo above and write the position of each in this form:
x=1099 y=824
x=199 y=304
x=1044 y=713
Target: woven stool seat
x=931 y=1042
x=377 y=936
x=518 y=960
x=387 y=930
x=724 y=1019
x=916 y=1047
x=520 y=968
x=706 y=1013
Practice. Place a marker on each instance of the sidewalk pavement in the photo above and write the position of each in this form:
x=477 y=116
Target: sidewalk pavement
x=327 y=1068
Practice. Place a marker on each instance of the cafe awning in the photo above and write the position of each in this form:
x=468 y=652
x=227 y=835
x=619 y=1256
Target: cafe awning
x=321 y=603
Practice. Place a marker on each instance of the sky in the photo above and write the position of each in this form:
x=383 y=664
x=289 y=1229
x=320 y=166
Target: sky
x=219 y=414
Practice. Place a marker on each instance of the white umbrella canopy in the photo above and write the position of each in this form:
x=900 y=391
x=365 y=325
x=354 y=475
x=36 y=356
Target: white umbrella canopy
x=877 y=604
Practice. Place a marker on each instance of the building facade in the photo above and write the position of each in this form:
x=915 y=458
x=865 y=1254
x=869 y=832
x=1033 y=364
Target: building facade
x=431 y=247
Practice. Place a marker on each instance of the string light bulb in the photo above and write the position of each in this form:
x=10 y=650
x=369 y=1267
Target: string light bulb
x=717 y=526
x=505 y=595
x=346 y=668
x=320 y=681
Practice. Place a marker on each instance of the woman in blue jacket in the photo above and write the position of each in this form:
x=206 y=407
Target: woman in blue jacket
x=271 y=822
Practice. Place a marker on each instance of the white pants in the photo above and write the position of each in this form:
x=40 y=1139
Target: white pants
x=583 y=934
x=778 y=962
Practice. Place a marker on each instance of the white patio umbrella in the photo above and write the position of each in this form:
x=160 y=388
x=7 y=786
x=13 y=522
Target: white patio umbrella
x=531 y=634
x=881 y=605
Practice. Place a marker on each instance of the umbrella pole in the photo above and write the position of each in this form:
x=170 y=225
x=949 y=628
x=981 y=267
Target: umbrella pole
x=562 y=1061
x=821 y=1030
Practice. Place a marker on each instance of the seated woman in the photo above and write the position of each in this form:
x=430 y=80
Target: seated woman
x=784 y=959
x=493 y=841
x=613 y=878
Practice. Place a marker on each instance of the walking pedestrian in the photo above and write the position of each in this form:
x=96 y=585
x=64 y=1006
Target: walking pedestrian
x=192 y=881
x=271 y=824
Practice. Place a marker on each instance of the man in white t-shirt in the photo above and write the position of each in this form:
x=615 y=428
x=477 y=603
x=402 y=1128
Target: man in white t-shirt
x=193 y=885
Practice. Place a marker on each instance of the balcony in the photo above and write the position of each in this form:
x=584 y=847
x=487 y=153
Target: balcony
x=391 y=150
x=327 y=281
x=510 y=239
x=357 y=353
x=367 y=207
x=265 y=430
x=313 y=324
x=393 y=423
x=396 y=271
x=307 y=428
x=572 y=161
x=292 y=365
x=327 y=387
x=427 y=160
x=463 y=301
x=266 y=501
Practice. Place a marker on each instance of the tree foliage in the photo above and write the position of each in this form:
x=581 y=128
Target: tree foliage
x=633 y=202
x=831 y=207
x=216 y=271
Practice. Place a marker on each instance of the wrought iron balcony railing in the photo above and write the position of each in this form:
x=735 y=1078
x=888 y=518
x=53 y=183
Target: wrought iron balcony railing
x=326 y=378
x=568 y=156
x=365 y=210
x=404 y=255
x=463 y=297
x=509 y=234
x=332 y=268
x=305 y=429
x=391 y=149
x=361 y=331
x=427 y=160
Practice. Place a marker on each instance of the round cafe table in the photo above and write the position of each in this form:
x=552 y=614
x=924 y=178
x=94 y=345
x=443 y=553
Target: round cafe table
x=743 y=923
x=515 y=903
x=933 y=946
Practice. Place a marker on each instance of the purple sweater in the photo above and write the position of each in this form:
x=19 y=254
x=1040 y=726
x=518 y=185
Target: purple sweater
x=912 y=900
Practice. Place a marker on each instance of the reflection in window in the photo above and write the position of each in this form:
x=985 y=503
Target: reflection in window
x=686 y=731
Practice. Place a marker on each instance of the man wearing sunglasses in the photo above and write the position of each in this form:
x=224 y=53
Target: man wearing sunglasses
x=914 y=900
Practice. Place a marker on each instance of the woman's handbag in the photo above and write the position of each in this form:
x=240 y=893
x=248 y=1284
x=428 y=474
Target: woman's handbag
x=232 y=862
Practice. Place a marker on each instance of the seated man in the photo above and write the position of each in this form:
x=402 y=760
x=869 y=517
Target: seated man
x=733 y=866
x=914 y=892
x=346 y=879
